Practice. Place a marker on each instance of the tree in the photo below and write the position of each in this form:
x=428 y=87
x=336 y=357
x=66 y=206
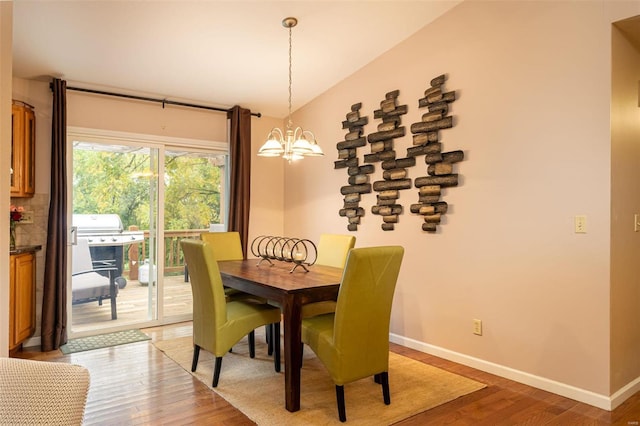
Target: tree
x=122 y=182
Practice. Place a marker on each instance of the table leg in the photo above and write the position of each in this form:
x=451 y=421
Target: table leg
x=292 y=313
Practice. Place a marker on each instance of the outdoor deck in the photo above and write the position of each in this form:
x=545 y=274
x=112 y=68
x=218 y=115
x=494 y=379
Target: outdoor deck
x=133 y=306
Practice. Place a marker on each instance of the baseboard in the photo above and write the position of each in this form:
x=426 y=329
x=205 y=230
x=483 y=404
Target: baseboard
x=600 y=401
x=625 y=393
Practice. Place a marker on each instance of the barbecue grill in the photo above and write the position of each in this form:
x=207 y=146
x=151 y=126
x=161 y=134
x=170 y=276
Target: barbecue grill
x=107 y=239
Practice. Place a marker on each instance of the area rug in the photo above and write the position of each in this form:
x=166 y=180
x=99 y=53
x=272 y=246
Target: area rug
x=253 y=387
x=103 y=341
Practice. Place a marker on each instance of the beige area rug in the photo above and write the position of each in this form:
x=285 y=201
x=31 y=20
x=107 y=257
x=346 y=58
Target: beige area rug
x=253 y=387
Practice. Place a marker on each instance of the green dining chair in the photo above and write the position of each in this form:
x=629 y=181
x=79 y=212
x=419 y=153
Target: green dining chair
x=218 y=324
x=332 y=251
x=353 y=342
x=227 y=246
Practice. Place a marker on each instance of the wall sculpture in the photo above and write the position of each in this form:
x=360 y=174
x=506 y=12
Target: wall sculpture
x=382 y=149
x=358 y=175
x=426 y=141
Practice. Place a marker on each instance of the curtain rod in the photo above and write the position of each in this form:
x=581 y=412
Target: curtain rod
x=162 y=101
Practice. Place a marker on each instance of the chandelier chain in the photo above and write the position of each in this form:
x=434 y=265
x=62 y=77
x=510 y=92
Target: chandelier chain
x=290 y=123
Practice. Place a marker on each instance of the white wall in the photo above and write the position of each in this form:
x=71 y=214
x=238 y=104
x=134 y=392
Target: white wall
x=267 y=191
x=532 y=115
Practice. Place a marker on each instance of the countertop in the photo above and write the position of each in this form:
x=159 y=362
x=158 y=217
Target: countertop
x=25 y=249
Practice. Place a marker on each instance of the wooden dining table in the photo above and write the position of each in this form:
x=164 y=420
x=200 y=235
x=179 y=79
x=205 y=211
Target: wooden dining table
x=289 y=291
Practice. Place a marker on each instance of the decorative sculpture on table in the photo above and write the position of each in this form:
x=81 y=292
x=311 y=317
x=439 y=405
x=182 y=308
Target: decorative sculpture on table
x=301 y=252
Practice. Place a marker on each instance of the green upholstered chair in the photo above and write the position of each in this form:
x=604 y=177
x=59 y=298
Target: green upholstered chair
x=332 y=251
x=218 y=324
x=227 y=246
x=353 y=342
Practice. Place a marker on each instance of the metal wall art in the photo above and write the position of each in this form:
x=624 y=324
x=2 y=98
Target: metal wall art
x=301 y=252
x=426 y=141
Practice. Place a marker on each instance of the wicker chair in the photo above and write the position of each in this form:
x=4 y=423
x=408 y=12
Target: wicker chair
x=42 y=393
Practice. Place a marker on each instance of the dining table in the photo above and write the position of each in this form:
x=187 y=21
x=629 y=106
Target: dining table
x=290 y=291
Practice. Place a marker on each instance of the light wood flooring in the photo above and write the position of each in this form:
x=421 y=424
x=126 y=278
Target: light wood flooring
x=136 y=384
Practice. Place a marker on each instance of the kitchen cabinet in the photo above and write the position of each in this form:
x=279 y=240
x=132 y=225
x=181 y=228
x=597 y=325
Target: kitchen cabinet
x=22 y=295
x=23 y=154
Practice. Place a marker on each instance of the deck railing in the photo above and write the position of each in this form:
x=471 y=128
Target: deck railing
x=173 y=257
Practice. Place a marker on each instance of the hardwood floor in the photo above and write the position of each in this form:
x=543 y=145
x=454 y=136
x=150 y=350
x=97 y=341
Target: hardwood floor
x=137 y=384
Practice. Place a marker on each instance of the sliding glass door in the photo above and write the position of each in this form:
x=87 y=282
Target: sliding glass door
x=194 y=199
x=132 y=200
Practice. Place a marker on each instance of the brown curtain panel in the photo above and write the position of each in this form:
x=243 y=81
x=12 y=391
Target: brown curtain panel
x=240 y=174
x=54 y=303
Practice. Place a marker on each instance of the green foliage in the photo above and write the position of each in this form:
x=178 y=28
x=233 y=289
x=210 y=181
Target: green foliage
x=122 y=183
x=192 y=193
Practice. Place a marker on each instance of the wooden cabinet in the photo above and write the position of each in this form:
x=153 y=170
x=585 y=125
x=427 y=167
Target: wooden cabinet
x=23 y=154
x=22 y=298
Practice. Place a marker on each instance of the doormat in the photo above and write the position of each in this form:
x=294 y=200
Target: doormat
x=103 y=341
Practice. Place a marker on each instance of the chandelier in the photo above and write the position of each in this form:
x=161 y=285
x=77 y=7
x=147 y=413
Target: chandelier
x=290 y=144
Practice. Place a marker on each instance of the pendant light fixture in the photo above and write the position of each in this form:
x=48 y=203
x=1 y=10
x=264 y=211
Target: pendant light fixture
x=290 y=144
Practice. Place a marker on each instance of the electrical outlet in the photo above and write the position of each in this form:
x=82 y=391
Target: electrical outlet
x=580 y=224
x=636 y=222
x=477 y=327
x=27 y=217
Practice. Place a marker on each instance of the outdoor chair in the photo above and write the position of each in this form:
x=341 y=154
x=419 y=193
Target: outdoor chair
x=87 y=282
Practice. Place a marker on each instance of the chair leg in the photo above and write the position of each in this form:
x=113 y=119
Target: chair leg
x=113 y=292
x=377 y=379
x=252 y=344
x=275 y=338
x=384 y=378
x=268 y=331
x=340 y=399
x=114 y=312
x=216 y=371
x=196 y=354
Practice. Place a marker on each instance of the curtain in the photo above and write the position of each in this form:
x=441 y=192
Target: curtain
x=240 y=173
x=54 y=303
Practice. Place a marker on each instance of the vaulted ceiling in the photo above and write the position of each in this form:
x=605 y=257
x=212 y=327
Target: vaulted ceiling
x=217 y=53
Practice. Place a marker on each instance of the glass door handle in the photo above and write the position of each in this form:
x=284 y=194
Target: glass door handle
x=73 y=236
